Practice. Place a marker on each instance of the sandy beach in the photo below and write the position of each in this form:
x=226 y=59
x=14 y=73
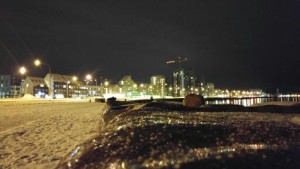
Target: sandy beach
x=37 y=134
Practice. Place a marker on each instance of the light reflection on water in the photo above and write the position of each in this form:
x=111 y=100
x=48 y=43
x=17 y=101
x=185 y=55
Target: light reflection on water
x=250 y=101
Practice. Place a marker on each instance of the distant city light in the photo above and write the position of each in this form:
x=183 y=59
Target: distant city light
x=22 y=70
x=88 y=77
x=74 y=78
x=37 y=62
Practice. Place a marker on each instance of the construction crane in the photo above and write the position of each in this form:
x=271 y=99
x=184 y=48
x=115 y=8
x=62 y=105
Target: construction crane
x=179 y=61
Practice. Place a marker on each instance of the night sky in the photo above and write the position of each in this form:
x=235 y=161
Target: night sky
x=239 y=44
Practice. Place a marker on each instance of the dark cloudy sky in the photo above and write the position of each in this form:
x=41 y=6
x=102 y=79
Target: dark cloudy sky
x=233 y=43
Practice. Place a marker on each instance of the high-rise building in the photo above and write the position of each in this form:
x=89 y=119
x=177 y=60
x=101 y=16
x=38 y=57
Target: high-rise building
x=210 y=88
x=158 y=83
x=184 y=82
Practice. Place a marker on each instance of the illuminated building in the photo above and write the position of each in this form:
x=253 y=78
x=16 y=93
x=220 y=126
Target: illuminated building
x=128 y=86
x=10 y=86
x=256 y=92
x=210 y=89
x=184 y=82
x=35 y=86
x=92 y=90
x=158 y=85
x=64 y=86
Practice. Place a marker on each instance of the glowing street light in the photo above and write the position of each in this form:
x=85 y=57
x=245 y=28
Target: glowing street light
x=106 y=83
x=88 y=77
x=22 y=70
x=74 y=78
x=37 y=62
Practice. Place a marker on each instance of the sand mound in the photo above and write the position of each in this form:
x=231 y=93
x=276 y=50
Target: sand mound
x=28 y=96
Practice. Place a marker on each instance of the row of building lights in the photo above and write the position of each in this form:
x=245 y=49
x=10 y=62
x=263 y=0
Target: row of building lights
x=37 y=62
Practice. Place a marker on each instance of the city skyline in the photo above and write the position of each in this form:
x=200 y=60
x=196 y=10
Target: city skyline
x=235 y=45
x=68 y=86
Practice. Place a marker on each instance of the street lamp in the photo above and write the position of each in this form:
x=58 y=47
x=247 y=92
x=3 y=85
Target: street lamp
x=37 y=62
x=106 y=83
x=22 y=70
x=68 y=82
x=88 y=78
x=74 y=78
